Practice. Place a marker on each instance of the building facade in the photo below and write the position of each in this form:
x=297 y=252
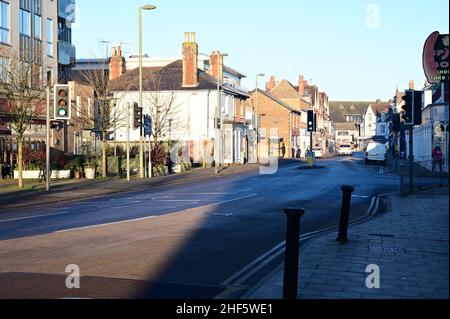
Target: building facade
x=192 y=89
x=280 y=125
x=37 y=33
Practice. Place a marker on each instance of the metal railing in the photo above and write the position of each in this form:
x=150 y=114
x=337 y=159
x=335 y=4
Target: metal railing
x=426 y=173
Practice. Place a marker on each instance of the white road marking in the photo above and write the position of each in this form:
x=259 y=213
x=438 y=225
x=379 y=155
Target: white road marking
x=150 y=217
x=360 y=196
x=30 y=217
x=106 y=224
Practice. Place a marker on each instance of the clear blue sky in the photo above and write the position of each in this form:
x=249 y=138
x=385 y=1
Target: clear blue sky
x=341 y=45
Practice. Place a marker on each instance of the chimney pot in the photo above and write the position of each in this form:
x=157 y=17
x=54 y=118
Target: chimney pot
x=193 y=37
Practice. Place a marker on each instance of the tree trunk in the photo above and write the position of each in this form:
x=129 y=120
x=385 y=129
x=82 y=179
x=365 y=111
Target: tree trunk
x=104 y=168
x=20 y=161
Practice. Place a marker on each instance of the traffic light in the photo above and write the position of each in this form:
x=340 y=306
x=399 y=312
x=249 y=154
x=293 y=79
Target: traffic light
x=408 y=107
x=137 y=116
x=396 y=123
x=312 y=121
x=62 y=102
x=417 y=109
x=412 y=107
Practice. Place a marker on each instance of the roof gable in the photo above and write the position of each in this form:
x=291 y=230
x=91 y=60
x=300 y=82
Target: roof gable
x=169 y=78
x=277 y=100
x=285 y=89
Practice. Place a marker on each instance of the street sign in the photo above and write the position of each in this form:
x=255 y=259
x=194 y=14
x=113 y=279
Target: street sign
x=147 y=125
x=436 y=58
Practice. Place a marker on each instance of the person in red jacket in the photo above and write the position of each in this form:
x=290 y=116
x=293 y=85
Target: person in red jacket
x=437 y=158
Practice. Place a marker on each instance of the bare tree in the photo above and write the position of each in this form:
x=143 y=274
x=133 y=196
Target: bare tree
x=107 y=117
x=21 y=86
x=163 y=108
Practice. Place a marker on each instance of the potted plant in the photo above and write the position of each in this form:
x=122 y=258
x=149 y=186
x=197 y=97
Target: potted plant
x=90 y=167
x=78 y=167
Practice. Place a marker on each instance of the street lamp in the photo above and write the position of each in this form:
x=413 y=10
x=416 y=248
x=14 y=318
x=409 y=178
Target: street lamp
x=141 y=144
x=219 y=123
x=257 y=124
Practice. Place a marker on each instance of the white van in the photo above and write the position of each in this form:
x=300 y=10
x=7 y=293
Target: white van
x=376 y=152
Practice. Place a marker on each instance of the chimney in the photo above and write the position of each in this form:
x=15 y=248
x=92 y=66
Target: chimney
x=190 y=60
x=216 y=65
x=271 y=84
x=116 y=63
x=302 y=85
x=411 y=85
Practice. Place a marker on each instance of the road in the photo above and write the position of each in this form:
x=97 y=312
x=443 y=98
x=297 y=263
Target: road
x=182 y=241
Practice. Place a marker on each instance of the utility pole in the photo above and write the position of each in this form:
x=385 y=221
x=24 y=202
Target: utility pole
x=141 y=139
x=411 y=159
x=257 y=117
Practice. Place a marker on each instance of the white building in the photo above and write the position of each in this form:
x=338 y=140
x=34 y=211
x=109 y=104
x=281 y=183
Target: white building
x=194 y=95
x=369 y=128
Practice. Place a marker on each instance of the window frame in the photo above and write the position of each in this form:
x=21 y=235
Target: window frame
x=21 y=25
x=4 y=28
x=50 y=37
x=36 y=36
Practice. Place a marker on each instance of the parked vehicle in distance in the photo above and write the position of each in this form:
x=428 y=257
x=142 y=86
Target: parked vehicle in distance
x=345 y=150
x=318 y=152
x=376 y=152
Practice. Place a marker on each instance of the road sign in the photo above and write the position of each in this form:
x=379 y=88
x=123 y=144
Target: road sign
x=147 y=125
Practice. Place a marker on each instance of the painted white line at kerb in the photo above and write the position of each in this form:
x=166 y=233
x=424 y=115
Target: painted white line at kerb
x=30 y=217
x=151 y=217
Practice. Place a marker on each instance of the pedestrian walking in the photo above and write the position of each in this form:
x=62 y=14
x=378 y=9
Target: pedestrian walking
x=283 y=150
x=299 y=153
x=437 y=158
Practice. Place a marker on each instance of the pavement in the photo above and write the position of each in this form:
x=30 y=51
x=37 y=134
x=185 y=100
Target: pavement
x=408 y=244
x=74 y=190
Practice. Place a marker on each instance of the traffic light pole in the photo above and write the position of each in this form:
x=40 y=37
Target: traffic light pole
x=128 y=141
x=47 y=142
x=411 y=159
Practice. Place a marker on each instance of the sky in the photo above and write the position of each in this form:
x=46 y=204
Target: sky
x=351 y=49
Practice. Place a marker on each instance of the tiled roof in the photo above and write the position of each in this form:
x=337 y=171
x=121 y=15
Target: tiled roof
x=339 y=109
x=169 y=78
x=274 y=98
x=345 y=126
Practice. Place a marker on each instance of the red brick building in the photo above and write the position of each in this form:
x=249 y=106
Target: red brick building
x=280 y=123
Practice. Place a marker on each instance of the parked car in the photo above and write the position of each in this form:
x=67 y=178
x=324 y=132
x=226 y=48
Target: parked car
x=318 y=152
x=345 y=150
x=376 y=152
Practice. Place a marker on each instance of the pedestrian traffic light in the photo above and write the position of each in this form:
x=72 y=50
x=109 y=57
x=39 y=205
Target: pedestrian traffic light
x=408 y=107
x=62 y=102
x=311 y=121
x=137 y=115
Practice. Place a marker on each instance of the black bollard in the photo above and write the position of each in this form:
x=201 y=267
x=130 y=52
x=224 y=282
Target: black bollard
x=290 y=284
x=345 y=213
